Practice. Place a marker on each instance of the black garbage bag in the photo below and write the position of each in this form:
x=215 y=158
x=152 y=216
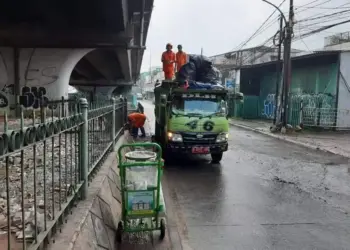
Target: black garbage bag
x=202 y=63
x=201 y=85
x=187 y=72
x=212 y=75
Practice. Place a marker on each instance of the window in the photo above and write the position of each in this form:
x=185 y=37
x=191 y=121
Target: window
x=181 y=106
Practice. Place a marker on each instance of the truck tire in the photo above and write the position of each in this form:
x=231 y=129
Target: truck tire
x=216 y=157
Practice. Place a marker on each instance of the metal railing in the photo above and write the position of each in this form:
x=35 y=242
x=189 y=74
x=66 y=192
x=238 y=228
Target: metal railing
x=46 y=162
x=324 y=118
x=318 y=111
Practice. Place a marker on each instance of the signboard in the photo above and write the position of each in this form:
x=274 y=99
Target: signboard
x=198 y=95
x=229 y=83
x=140 y=202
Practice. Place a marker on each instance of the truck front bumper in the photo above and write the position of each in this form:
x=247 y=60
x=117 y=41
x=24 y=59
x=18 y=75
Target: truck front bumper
x=183 y=148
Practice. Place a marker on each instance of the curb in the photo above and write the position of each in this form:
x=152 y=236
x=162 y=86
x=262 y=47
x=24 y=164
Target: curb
x=285 y=138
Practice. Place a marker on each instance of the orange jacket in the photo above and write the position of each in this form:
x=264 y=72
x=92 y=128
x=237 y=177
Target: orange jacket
x=137 y=119
x=168 y=56
x=181 y=59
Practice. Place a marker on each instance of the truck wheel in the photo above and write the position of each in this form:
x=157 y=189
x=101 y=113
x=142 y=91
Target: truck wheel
x=216 y=157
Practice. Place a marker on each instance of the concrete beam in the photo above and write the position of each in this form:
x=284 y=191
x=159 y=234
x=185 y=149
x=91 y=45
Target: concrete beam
x=124 y=57
x=35 y=38
x=104 y=62
x=125 y=11
x=83 y=71
x=100 y=83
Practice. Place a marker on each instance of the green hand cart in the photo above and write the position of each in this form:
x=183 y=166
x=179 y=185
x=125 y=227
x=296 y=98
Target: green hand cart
x=143 y=207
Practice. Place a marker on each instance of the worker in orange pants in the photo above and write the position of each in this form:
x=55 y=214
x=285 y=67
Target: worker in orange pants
x=181 y=58
x=168 y=60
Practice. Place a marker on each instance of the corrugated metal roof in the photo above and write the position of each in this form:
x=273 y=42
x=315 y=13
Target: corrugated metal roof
x=301 y=56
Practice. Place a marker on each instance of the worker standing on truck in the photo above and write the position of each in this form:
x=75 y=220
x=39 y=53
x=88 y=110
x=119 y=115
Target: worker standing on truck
x=168 y=60
x=181 y=58
x=137 y=121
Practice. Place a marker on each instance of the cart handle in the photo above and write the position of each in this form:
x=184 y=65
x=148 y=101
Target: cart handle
x=145 y=145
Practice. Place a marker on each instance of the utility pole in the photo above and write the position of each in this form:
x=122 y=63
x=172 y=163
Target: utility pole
x=278 y=70
x=287 y=62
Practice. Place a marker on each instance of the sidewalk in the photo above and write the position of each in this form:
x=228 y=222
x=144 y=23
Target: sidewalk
x=333 y=142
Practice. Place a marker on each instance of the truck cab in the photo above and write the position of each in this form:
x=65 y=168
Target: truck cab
x=192 y=121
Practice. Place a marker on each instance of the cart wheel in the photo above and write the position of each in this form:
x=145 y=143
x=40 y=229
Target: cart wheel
x=119 y=232
x=162 y=229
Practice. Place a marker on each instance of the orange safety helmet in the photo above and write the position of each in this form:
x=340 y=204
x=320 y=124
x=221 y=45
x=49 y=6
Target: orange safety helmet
x=169 y=45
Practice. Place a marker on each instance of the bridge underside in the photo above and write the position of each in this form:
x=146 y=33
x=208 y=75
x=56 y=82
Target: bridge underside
x=99 y=44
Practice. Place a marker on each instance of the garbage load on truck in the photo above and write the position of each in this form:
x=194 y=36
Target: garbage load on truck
x=191 y=114
x=199 y=68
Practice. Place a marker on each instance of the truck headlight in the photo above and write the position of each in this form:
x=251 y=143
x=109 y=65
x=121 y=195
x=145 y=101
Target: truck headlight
x=222 y=137
x=174 y=137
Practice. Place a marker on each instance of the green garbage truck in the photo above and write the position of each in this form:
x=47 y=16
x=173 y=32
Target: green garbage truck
x=191 y=121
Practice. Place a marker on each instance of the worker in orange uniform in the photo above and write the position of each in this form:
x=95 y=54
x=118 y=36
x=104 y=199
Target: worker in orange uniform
x=168 y=60
x=181 y=58
x=137 y=121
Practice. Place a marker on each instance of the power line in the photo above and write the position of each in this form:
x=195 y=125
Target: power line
x=255 y=33
x=266 y=44
x=311 y=22
x=329 y=15
x=311 y=7
x=322 y=14
x=324 y=21
x=306 y=4
x=323 y=28
x=334 y=8
x=302 y=40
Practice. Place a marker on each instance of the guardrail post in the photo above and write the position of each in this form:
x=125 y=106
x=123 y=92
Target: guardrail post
x=113 y=122
x=84 y=148
x=125 y=118
x=301 y=123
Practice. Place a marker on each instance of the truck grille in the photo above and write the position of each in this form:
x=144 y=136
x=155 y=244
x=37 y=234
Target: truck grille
x=191 y=138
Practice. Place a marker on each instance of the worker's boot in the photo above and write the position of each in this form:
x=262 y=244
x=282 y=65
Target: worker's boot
x=143 y=132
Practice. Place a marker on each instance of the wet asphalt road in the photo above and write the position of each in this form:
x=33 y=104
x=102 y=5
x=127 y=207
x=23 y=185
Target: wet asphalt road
x=265 y=194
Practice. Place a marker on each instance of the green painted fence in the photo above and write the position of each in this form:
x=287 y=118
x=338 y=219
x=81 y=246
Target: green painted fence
x=314 y=87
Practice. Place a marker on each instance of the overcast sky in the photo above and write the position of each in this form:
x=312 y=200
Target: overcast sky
x=219 y=26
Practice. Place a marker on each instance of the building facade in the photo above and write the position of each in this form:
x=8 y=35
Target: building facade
x=319 y=91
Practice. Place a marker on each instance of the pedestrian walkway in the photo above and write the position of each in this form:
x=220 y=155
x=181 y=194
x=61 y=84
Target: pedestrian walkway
x=328 y=141
x=93 y=223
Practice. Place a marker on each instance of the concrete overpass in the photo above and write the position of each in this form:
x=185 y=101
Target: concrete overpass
x=46 y=46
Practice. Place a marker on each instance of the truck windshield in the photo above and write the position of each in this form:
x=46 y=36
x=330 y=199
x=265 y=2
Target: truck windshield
x=200 y=107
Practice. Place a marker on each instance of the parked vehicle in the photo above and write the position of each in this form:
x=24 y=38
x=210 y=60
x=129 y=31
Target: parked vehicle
x=139 y=96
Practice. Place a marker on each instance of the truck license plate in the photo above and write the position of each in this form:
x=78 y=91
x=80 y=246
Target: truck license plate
x=200 y=150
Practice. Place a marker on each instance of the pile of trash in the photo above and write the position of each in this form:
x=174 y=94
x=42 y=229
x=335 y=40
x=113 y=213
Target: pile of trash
x=200 y=73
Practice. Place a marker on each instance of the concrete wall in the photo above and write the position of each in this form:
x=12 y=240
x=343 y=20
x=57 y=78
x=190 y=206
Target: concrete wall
x=342 y=46
x=42 y=73
x=343 y=118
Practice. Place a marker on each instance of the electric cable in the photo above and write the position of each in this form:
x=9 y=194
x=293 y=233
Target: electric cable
x=255 y=33
x=329 y=15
